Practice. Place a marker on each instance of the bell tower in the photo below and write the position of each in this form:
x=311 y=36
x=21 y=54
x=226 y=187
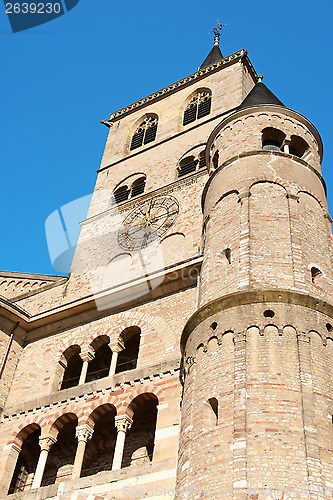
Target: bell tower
x=258 y=352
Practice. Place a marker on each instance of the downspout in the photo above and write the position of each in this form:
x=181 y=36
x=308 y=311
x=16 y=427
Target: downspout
x=3 y=364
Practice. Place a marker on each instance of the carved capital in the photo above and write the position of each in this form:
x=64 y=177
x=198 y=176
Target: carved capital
x=239 y=337
x=87 y=353
x=46 y=442
x=123 y=423
x=292 y=196
x=303 y=337
x=117 y=346
x=244 y=194
x=84 y=433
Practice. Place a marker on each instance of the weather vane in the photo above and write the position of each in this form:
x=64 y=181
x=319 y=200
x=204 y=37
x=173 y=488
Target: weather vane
x=216 y=32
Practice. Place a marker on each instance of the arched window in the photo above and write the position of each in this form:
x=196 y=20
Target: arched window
x=315 y=274
x=27 y=460
x=100 y=449
x=73 y=369
x=130 y=190
x=121 y=194
x=128 y=357
x=145 y=133
x=191 y=164
x=297 y=146
x=60 y=460
x=199 y=106
x=216 y=160
x=140 y=439
x=99 y=366
x=187 y=166
x=272 y=139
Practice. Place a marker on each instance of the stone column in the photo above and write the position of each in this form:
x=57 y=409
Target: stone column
x=87 y=355
x=45 y=443
x=286 y=144
x=8 y=460
x=83 y=434
x=244 y=246
x=239 y=440
x=115 y=348
x=123 y=424
x=316 y=483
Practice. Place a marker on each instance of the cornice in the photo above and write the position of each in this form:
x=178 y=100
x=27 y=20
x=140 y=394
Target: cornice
x=253 y=296
x=198 y=75
x=96 y=388
x=174 y=278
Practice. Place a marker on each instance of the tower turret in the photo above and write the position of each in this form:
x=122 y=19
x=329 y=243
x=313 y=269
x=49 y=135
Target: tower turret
x=258 y=383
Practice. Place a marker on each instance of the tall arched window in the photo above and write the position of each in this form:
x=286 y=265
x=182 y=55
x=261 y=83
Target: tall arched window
x=73 y=369
x=99 y=366
x=145 y=133
x=27 y=460
x=140 y=439
x=128 y=357
x=199 y=106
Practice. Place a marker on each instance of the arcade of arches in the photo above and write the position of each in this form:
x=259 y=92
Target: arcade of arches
x=106 y=442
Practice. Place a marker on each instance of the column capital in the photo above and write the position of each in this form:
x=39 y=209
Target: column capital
x=87 y=353
x=117 y=346
x=123 y=422
x=244 y=194
x=84 y=433
x=303 y=337
x=239 y=337
x=46 y=442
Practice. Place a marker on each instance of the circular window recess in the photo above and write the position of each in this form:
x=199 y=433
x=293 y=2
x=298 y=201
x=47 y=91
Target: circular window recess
x=269 y=313
x=213 y=325
x=329 y=327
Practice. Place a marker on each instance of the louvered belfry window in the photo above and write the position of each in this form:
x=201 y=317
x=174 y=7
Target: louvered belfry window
x=187 y=166
x=198 y=107
x=145 y=133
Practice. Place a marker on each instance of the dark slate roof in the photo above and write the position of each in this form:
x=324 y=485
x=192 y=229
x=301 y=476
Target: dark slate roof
x=214 y=55
x=260 y=94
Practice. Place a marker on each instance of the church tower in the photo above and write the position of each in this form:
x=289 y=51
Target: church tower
x=189 y=353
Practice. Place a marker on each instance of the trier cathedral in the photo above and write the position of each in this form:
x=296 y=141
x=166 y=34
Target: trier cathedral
x=189 y=353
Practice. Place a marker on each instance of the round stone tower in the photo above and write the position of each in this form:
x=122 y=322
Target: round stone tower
x=258 y=353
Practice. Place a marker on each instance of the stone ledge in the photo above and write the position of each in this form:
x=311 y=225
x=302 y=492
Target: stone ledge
x=86 y=483
x=96 y=386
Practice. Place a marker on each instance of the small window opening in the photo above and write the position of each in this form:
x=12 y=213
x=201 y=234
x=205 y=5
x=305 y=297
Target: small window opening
x=315 y=274
x=138 y=187
x=297 y=146
x=272 y=139
x=213 y=325
x=214 y=405
x=329 y=327
x=216 y=160
x=269 y=313
x=121 y=194
x=199 y=106
x=202 y=159
x=187 y=166
x=145 y=133
x=227 y=253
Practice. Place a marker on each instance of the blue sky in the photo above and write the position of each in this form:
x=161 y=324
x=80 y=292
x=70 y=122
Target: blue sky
x=58 y=80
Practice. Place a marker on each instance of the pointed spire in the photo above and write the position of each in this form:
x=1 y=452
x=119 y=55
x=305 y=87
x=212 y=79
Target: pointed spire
x=215 y=54
x=260 y=94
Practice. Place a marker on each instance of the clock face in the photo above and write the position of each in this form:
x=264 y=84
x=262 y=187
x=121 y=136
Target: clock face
x=148 y=222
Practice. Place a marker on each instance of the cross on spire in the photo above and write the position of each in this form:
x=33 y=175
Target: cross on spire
x=216 y=32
